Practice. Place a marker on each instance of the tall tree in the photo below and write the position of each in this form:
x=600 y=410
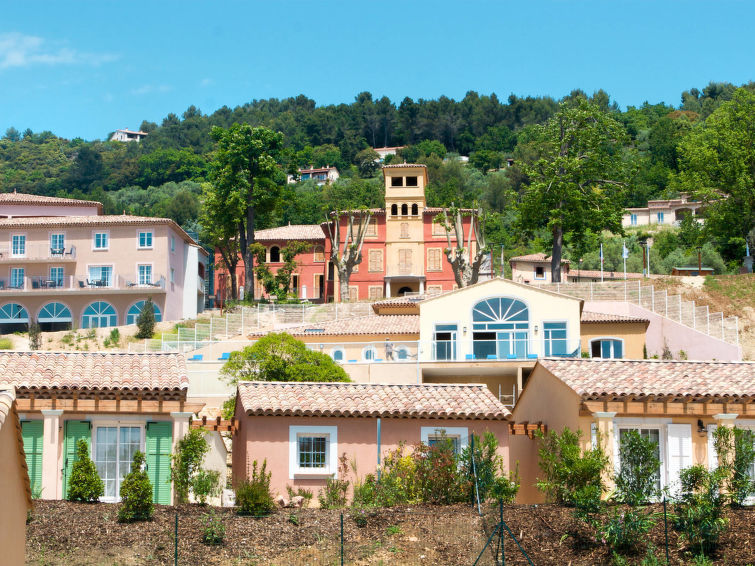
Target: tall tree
x=349 y=253
x=247 y=181
x=464 y=262
x=717 y=165
x=219 y=229
x=577 y=178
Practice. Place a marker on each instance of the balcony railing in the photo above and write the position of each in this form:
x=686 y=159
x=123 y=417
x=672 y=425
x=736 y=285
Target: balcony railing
x=38 y=252
x=43 y=283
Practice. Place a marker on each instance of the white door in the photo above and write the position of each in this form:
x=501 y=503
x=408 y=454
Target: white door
x=679 y=442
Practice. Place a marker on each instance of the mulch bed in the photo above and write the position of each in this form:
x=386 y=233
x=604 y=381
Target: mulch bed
x=72 y=533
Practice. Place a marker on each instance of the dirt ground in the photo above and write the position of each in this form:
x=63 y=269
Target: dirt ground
x=70 y=533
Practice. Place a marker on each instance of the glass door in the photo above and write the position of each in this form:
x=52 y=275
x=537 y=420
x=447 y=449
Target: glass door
x=114 y=448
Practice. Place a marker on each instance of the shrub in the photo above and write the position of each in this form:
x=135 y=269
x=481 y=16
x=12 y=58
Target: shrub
x=437 y=472
x=735 y=449
x=186 y=462
x=699 y=512
x=204 y=484
x=625 y=530
x=85 y=484
x=6 y=344
x=640 y=466
x=572 y=475
x=364 y=491
x=487 y=465
x=253 y=495
x=300 y=492
x=213 y=531
x=136 y=493
x=145 y=322
x=398 y=481
x=333 y=495
x=113 y=339
x=505 y=488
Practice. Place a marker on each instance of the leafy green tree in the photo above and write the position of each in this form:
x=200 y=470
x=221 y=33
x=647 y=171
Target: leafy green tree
x=221 y=232
x=281 y=357
x=246 y=181
x=85 y=483
x=136 y=493
x=717 y=165
x=278 y=283
x=145 y=322
x=578 y=179
x=186 y=462
x=367 y=161
x=640 y=468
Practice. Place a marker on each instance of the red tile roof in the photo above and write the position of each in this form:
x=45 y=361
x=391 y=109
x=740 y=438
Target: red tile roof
x=373 y=324
x=432 y=401
x=533 y=258
x=593 y=378
x=398 y=302
x=399 y=165
x=22 y=198
x=610 y=275
x=291 y=232
x=597 y=317
x=90 y=372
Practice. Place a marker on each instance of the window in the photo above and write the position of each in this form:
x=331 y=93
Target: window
x=17 y=278
x=372 y=228
x=434 y=262
x=369 y=354
x=397 y=181
x=145 y=239
x=275 y=254
x=375 y=292
x=404 y=209
x=607 y=348
x=18 y=245
x=554 y=335
x=444 y=342
x=457 y=435
x=404 y=230
x=55 y=312
x=394 y=210
x=648 y=433
x=539 y=272
x=13 y=313
x=319 y=254
x=633 y=219
x=313 y=451
x=145 y=274
x=101 y=241
x=439 y=229
x=353 y=293
x=405 y=261
x=101 y=275
x=136 y=309
x=415 y=210
x=337 y=354
x=57 y=276
x=99 y=315
x=57 y=244
x=500 y=329
x=172 y=243
x=172 y=275
x=660 y=217
x=114 y=448
x=411 y=181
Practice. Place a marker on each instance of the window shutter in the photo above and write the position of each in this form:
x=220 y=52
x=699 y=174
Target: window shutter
x=712 y=456
x=32 y=435
x=74 y=431
x=679 y=452
x=159 y=441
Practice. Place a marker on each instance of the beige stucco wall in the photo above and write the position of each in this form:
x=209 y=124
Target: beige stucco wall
x=12 y=494
x=457 y=308
x=268 y=438
x=633 y=335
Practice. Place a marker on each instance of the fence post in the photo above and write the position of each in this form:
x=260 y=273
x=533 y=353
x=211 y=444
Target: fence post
x=341 y=539
x=500 y=532
x=665 y=528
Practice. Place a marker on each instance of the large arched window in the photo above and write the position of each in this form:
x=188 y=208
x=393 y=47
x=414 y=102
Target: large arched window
x=136 y=309
x=98 y=315
x=275 y=254
x=54 y=312
x=13 y=313
x=500 y=329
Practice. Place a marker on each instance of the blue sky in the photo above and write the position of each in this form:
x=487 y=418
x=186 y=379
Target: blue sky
x=85 y=68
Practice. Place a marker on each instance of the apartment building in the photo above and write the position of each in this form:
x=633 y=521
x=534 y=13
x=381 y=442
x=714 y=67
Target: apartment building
x=65 y=264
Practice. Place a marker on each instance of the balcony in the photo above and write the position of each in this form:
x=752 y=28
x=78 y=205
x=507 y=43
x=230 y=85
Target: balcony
x=38 y=253
x=81 y=285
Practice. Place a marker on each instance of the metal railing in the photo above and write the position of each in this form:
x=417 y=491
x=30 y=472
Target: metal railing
x=44 y=283
x=37 y=252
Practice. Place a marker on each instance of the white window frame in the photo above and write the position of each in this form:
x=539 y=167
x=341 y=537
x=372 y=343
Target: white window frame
x=372 y=349
x=601 y=338
x=460 y=432
x=542 y=330
x=58 y=233
x=105 y=233
x=151 y=240
x=101 y=265
x=139 y=274
x=633 y=219
x=12 y=249
x=331 y=456
x=23 y=277
x=343 y=354
x=658 y=424
x=542 y=277
x=96 y=423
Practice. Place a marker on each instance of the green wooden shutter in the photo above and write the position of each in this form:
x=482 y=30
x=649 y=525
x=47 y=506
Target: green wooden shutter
x=159 y=444
x=74 y=431
x=32 y=435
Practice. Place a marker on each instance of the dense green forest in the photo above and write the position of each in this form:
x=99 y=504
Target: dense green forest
x=162 y=175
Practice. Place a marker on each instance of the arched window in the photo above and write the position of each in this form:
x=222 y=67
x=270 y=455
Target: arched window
x=369 y=353
x=54 y=312
x=404 y=210
x=319 y=253
x=136 y=309
x=275 y=254
x=500 y=329
x=394 y=210
x=13 y=313
x=337 y=354
x=415 y=209
x=98 y=315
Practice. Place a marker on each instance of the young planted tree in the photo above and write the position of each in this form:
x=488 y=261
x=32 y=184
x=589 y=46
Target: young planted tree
x=246 y=183
x=85 y=483
x=278 y=283
x=465 y=263
x=145 y=322
x=35 y=335
x=349 y=253
x=219 y=229
x=136 y=493
x=578 y=176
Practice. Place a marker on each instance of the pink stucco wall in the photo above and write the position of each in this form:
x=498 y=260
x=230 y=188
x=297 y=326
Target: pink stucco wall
x=23 y=210
x=678 y=337
x=267 y=438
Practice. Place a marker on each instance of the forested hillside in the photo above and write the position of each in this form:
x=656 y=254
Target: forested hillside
x=162 y=175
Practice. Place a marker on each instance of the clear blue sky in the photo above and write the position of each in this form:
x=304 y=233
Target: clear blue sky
x=85 y=68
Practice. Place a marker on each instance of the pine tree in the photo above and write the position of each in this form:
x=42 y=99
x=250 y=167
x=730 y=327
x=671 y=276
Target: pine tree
x=146 y=320
x=136 y=493
x=85 y=484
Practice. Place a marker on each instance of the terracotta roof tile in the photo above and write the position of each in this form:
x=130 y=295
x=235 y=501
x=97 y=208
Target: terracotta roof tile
x=291 y=232
x=23 y=198
x=382 y=324
x=596 y=317
x=434 y=401
x=398 y=165
x=659 y=378
x=535 y=258
x=7 y=397
x=86 y=371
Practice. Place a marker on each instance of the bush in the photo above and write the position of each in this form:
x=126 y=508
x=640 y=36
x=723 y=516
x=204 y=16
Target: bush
x=333 y=495
x=398 y=482
x=735 y=448
x=437 y=472
x=253 y=495
x=145 y=322
x=625 y=530
x=85 y=484
x=505 y=488
x=6 y=344
x=136 y=493
x=213 y=531
x=699 y=512
x=300 y=492
x=492 y=481
x=572 y=475
x=204 y=484
x=364 y=490
x=113 y=339
x=186 y=462
x=640 y=466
